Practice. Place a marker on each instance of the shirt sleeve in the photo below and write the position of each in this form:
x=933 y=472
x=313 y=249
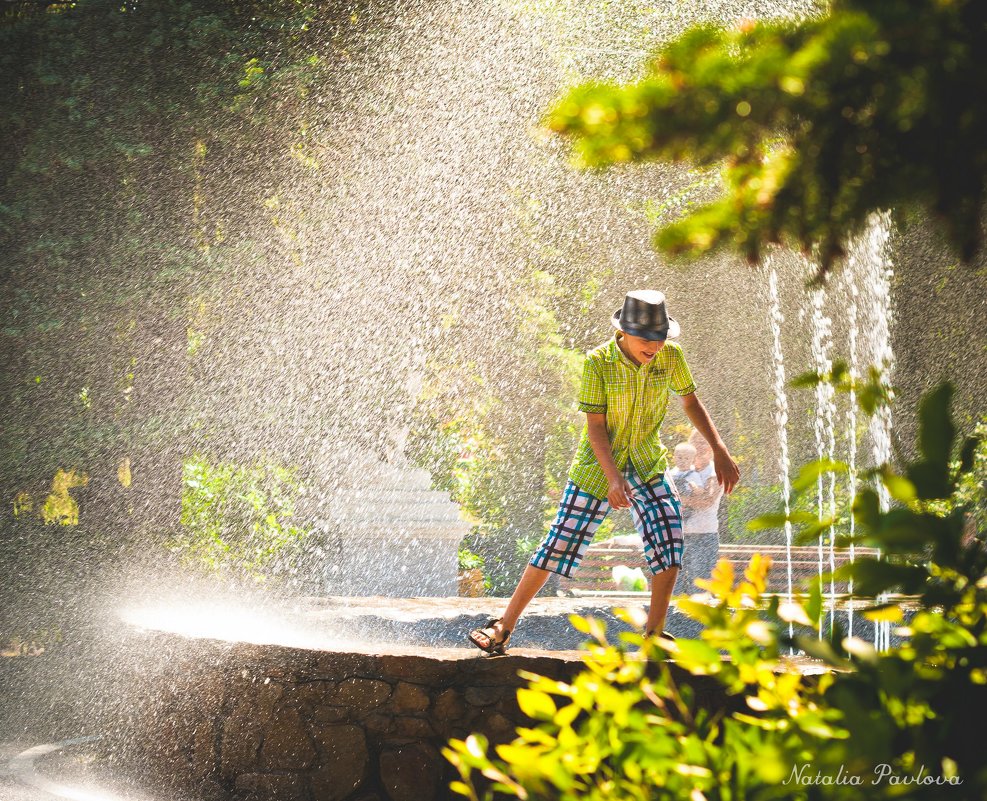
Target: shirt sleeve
x=682 y=382
x=592 y=397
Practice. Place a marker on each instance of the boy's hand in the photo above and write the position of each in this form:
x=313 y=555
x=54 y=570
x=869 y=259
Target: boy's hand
x=619 y=494
x=727 y=472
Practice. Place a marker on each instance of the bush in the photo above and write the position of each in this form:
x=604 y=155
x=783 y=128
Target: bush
x=469 y=560
x=235 y=518
x=896 y=723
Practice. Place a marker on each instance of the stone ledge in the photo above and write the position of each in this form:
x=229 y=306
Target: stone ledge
x=240 y=722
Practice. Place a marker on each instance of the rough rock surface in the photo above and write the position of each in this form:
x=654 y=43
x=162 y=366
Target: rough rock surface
x=238 y=722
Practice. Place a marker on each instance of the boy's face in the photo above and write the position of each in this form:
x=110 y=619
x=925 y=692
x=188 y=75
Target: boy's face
x=639 y=349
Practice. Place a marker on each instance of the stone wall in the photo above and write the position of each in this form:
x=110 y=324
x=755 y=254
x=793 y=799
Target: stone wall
x=266 y=723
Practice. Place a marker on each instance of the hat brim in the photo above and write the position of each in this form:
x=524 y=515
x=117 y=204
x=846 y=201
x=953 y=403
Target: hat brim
x=673 y=329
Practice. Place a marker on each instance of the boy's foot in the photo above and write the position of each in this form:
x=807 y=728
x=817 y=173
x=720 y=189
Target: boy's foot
x=666 y=635
x=492 y=638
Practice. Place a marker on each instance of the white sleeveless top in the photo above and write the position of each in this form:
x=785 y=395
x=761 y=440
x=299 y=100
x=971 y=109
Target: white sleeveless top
x=703 y=521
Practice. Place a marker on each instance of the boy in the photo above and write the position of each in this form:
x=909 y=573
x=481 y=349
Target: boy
x=620 y=462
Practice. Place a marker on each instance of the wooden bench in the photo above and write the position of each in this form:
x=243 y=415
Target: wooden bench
x=595 y=571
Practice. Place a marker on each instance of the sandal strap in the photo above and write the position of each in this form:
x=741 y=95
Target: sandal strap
x=506 y=633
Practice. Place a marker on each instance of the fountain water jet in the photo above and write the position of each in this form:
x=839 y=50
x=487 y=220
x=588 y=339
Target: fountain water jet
x=865 y=287
x=825 y=432
x=876 y=277
x=781 y=417
x=853 y=371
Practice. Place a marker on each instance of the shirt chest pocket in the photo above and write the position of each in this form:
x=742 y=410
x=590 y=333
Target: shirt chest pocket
x=656 y=385
x=620 y=395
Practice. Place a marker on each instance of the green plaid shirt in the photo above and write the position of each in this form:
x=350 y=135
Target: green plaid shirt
x=634 y=400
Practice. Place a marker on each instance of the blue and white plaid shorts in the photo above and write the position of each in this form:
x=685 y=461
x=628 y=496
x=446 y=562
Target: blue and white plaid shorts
x=656 y=514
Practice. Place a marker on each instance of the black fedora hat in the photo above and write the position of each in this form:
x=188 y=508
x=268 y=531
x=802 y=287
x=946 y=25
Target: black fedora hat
x=644 y=315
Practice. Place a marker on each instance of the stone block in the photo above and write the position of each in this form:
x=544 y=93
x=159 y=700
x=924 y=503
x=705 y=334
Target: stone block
x=240 y=741
x=344 y=761
x=409 y=699
x=315 y=693
x=411 y=772
x=487 y=695
x=410 y=729
x=447 y=708
x=329 y=714
x=270 y=787
x=335 y=665
x=169 y=750
x=205 y=756
x=497 y=727
x=286 y=744
x=360 y=694
x=421 y=670
x=377 y=724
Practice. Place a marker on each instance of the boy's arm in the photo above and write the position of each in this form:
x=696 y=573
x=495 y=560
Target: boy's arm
x=727 y=472
x=619 y=492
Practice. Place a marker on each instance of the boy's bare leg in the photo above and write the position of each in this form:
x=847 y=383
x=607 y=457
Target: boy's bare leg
x=532 y=580
x=662 y=585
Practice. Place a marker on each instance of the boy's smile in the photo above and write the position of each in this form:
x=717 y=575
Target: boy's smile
x=638 y=349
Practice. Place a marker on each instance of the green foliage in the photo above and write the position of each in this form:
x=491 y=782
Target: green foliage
x=469 y=560
x=817 y=123
x=871 y=392
x=893 y=724
x=504 y=467
x=971 y=487
x=236 y=519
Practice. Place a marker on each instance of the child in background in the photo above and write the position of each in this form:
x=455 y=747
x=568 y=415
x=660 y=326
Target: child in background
x=700 y=521
x=683 y=474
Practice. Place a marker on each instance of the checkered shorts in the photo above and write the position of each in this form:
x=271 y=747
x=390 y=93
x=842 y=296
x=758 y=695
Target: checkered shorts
x=654 y=508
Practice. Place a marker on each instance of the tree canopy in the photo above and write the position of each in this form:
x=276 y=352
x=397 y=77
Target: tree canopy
x=818 y=123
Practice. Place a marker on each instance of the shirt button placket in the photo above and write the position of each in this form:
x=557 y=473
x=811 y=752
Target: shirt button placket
x=638 y=406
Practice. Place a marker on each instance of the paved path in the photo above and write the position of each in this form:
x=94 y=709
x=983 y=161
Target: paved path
x=60 y=770
x=11 y=787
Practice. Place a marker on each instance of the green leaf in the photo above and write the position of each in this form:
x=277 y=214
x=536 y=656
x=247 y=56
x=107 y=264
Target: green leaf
x=839 y=373
x=813 y=606
x=871 y=577
x=936 y=429
x=867 y=509
x=884 y=613
x=899 y=487
x=592 y=626
x=811 y=533
x=821 y=649
x=806 y=380
x=813 y=723
x=930 y=479
x=535 y=704
x=567 y=714
x=777 y=520
x=698 y=657
x=809 y=475
x=968 y=454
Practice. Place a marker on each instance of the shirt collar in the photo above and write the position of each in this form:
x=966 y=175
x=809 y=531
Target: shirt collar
x=615 y=354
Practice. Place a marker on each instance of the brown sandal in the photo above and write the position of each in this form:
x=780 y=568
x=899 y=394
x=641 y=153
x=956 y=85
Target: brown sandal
x=492 y=646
